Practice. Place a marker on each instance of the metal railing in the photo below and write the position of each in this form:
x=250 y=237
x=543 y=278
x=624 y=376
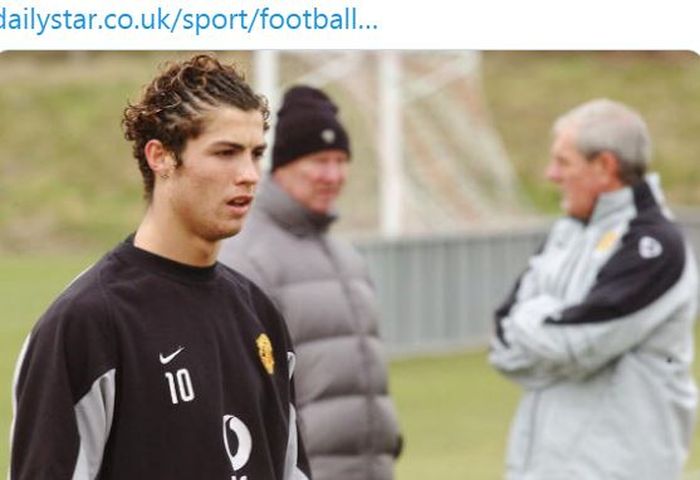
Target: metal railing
x=438 y=293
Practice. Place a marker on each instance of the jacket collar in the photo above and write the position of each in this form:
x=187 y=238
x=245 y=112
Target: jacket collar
x=643 y=195
x=288 y=212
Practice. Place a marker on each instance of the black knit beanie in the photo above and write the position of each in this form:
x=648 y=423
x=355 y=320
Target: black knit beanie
x=307 y=123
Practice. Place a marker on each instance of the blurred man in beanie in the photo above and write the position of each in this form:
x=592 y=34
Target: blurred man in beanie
x=599 y=330
x=320 y=284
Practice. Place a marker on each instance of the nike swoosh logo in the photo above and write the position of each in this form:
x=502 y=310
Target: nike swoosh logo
x=169 y=358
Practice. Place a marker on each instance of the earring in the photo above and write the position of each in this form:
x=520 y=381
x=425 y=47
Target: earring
x=164 y=176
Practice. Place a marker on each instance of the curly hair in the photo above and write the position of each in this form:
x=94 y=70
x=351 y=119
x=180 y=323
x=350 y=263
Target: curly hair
x=173 y=105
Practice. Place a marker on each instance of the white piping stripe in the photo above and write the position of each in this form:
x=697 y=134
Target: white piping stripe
x=15 y=380
x=94 y=413
x=291 y=468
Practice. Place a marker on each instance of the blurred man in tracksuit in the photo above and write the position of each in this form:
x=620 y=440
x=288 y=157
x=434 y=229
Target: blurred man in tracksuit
x=598 y=330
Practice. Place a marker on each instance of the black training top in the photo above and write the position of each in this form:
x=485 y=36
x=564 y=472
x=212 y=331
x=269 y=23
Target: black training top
x=145 y=368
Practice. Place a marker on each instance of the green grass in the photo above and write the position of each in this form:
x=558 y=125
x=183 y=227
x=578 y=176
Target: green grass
x=28 y=284
x=454 y=410
x=455 y=414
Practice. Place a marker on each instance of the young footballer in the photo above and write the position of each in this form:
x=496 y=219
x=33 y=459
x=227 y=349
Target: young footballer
x=158 y=362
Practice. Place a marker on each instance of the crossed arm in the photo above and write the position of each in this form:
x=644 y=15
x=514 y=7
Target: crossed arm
x=541 y=339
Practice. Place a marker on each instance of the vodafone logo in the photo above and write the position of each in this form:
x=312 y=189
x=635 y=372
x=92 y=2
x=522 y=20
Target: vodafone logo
x=238 y=443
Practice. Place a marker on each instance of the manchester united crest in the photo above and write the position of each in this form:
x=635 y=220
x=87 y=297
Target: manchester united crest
x=265 y=352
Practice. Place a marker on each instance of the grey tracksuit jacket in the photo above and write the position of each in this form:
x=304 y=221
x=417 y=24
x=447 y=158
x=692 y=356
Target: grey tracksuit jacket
x=599 y=333
x=320 y=284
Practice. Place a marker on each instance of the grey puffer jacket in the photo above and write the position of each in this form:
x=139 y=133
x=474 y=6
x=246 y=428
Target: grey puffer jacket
x=348 y=421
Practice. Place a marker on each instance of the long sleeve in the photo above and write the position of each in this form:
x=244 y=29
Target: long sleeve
x=649 y=279
x=63 y=394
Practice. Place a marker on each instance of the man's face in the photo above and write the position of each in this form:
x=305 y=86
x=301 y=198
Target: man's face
x=315 y=180
x=581 y=181
x=211 y=192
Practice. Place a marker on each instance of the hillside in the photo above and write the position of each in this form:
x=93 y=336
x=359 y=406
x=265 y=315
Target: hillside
x=68 y=182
